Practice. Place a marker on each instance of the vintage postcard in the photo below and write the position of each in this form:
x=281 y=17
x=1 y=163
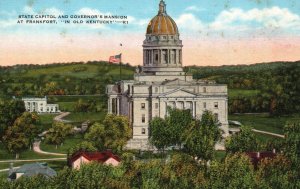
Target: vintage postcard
x=149 y=94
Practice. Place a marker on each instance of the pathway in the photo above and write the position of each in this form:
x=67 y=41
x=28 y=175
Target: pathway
x=37 y=149
x=30 y=160
x=61 y=116
x=4 y=170
x=268 y=133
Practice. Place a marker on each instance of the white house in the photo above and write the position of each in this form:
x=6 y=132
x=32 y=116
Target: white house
x=40 y=105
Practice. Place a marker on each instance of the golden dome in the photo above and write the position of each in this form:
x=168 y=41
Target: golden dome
x=162 y=24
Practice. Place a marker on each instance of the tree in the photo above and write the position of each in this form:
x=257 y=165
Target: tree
x=113 y=133
x=9 y=111
x=292 y=143
x=28 y=121
x=159 y=133
x=178 y=121
x=243 y=141
x=15 y=140
x=96 y=135
x=85 y=146
x=277 y=173
x=202 y=136
x=21 y=135
x=58 y=133
x=236 y=172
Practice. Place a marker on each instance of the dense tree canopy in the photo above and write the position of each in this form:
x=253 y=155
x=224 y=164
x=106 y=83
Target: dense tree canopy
x=58 y=133
x=21 y=135
x=159 y=133
x=10 y=110
x=202 y=136
x=113 y=133
x=244 y=141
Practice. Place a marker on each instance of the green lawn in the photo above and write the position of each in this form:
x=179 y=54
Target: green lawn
x=265 y=122
x=28 y=154
x=263 y=138
x=70 y=142
x=46 y=121
x=234 y=93
x=83 y=116
x=219 y=155
x=67 y=103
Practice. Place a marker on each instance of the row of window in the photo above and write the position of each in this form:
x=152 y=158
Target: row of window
x=156 y=89
x=157 y=37
x=216 y=105
x=143 y=106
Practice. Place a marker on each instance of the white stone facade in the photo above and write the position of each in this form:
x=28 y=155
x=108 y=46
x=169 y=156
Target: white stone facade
x=160 y=83
x=40 y=105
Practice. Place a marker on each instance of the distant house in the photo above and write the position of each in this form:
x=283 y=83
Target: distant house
x=29 y=170
x=256 y=157
x=83 y=157
x=40 y=105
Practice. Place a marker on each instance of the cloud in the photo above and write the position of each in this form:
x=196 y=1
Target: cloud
x=53 y=11
x=194 y=8
x=189 y=21
x=28 y=10
x=90 y=11
x=274 y=17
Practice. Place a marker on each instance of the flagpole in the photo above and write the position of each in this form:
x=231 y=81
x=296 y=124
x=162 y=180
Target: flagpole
x=120 y=66
x=121 y=45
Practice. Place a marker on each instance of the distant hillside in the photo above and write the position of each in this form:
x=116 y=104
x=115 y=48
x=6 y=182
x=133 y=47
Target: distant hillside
x=265 y=87
x=209 y=71
x=61 y=79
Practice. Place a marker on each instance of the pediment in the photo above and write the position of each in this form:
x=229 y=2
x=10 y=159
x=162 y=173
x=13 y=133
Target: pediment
x=178 y=93
x=176 y=82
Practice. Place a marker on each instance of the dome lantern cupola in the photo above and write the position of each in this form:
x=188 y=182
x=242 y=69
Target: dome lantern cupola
x=162 y=46
x=162 y=8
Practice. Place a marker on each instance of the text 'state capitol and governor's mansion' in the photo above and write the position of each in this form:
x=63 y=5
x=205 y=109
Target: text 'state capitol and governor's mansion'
x=161 y=83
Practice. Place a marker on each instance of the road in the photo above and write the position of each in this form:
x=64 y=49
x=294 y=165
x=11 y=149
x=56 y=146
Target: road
x=61 y=116
x=37 y=149
x=268 y=133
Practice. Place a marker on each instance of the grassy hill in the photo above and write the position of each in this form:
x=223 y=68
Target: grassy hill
x=60 y=79
x=265 y=87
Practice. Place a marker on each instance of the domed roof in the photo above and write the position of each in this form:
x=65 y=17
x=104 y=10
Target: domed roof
x=162 y=24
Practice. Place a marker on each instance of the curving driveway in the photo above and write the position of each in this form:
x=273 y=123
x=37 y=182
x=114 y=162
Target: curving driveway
x=61 y=116
x=37 y=149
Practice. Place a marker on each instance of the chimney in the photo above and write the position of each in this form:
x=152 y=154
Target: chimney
x=274 y=151
x=258 y=154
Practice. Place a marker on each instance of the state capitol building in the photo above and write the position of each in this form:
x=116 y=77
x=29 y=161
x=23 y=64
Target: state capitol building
x=161 y=82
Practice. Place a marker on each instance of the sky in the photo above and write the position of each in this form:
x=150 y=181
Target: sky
x=214 y=32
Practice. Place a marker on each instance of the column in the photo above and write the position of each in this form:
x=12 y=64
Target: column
x=109 y=106
x=118 y=106
x=166 y=108
x=159 y=56
x=169 y=60
x=195 y=110
x=152 y=57
x=177 y=56
x=180 y=54
x=144 y=57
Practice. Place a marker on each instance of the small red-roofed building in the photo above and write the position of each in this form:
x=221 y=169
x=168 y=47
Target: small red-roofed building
x=82 y=157
x=256 y=157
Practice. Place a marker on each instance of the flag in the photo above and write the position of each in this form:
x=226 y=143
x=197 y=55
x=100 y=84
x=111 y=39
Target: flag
x=115 y=59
